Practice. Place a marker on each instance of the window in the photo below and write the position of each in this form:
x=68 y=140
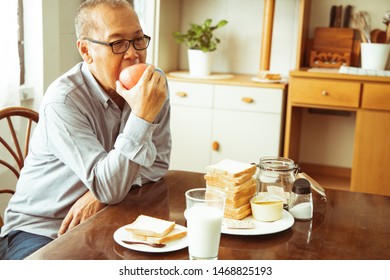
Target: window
x=21 y=41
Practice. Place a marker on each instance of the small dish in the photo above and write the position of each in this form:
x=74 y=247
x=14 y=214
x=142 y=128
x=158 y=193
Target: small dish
x=266 y=208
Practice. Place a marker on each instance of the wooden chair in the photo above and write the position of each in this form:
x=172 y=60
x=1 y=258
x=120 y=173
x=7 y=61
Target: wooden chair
x=15 y=117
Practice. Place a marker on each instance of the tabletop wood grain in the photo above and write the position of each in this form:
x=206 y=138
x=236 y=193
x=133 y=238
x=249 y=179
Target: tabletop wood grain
x=347 y=225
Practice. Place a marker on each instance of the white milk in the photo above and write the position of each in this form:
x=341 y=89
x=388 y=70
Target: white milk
x=203 y=231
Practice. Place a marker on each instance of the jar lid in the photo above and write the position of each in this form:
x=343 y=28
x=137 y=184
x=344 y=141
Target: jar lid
x=301 y=186
x=278 y=164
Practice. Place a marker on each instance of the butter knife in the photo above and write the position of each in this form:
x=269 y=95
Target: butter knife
x=155 y=245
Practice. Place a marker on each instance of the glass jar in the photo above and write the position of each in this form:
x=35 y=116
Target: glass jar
x=301 y=202
x=276 y=176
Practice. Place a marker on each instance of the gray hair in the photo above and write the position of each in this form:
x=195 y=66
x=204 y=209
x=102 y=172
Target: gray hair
x=83 y=22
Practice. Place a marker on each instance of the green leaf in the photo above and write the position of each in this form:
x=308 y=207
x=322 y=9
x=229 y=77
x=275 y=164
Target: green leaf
x=200 y=36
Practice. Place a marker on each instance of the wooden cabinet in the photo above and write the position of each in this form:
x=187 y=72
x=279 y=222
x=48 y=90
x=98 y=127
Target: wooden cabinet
x=370 y=170
x=214 y=120
x=368 y=97
x=329 y=93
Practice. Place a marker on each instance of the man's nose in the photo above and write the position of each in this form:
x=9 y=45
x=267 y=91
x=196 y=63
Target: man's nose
x=131 y=52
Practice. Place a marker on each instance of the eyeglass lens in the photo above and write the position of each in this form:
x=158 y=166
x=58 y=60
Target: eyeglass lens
x=123 y=45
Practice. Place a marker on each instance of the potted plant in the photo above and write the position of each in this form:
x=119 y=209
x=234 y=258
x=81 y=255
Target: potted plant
x=200 y=41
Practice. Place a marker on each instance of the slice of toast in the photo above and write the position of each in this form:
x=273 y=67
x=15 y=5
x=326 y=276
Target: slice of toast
x=150 y=226
x=237 y=213
x=230 y=180
x=233 y=189
x=175 y=234
x=238 y=202
x=231 y=168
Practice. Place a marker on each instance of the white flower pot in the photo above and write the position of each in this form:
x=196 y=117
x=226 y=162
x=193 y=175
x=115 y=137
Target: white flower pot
x=199 y=63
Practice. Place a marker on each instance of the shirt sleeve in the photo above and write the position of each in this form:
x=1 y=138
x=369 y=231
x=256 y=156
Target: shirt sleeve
x=109 y=175
x=163 y=143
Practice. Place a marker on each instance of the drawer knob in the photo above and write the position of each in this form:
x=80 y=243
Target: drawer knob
x=215 y=146
x=181 y=94
x=247 y=99
x=324 y=93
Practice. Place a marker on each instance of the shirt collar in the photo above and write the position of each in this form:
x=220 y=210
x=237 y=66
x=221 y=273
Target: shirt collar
x=94 y=86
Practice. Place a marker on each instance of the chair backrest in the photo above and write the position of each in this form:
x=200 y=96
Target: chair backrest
x=17 y=147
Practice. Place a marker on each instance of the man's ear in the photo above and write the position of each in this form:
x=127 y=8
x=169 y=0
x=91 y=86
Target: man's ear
x=83 y=48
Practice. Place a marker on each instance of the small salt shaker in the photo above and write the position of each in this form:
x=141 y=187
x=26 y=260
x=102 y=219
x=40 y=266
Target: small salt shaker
x=301 y=201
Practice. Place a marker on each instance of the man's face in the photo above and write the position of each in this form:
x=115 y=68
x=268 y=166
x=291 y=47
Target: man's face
x=113 y=25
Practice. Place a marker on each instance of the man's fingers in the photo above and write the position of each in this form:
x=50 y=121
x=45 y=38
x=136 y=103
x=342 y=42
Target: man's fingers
x=120 y=89
x=65 y=224
x=75 y=221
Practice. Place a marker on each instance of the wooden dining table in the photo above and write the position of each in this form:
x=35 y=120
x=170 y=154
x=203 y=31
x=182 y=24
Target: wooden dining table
x=345 y=226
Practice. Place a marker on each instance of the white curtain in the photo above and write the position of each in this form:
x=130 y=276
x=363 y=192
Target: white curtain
x=9 y=54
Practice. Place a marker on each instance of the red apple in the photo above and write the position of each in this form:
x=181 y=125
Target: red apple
x=131 y=75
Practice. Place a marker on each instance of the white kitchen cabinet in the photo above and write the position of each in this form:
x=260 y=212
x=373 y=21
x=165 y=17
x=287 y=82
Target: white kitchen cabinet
x=191 y=116
x=213 y=121
x=246 y=123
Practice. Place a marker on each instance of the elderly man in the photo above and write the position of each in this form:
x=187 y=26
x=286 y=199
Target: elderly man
x=95 y=139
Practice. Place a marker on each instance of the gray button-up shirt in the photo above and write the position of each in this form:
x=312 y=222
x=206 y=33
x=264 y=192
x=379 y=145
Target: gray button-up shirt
x=82 y=142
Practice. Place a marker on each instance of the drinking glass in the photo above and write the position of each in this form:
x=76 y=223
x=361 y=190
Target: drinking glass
x=204 y=213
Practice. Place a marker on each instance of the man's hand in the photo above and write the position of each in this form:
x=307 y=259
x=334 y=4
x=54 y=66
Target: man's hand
x=85 y=207
x=147 y=97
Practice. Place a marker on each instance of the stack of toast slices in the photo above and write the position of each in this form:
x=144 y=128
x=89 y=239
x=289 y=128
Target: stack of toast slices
x=236 y=179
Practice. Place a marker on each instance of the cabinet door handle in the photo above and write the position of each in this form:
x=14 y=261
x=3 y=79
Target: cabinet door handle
x=324 y=93
x=247 y=99
x=215 y=146
x=181 y=94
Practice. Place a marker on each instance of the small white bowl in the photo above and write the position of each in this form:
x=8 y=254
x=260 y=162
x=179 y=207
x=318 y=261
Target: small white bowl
x=266 y=209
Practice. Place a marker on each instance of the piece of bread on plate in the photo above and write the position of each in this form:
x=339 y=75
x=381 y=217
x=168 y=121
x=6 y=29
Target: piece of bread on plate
x=266 y=75
x=231 y=168
x=150 y=226
x=175 y=234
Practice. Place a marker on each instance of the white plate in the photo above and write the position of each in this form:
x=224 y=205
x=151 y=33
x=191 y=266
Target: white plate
x=261 y=228
x=122 y=234
x=266 y=81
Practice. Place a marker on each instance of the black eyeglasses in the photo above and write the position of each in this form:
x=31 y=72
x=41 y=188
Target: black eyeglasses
x=121 y=46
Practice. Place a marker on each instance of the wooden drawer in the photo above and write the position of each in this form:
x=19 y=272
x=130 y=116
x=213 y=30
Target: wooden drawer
x=376 y=96
x=248 y=99
x=191 y=94
x=325 y=92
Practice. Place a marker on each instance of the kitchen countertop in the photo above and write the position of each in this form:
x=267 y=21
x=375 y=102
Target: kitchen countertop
x=231 y=79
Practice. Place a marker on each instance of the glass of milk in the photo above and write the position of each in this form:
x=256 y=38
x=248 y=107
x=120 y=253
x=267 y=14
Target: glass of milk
x=204 y=213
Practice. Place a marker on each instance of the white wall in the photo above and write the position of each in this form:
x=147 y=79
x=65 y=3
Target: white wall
x=239 y=50
x=33 y=49
x=59 y=38
x=50 y=43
